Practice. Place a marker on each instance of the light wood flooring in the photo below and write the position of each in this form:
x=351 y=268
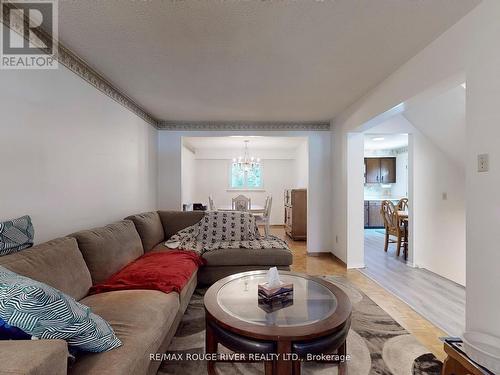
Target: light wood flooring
x=438 y=299
x=326 y=264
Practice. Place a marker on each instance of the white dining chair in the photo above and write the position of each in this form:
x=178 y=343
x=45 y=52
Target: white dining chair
x=211 y=204
x=265 y=218
x=241 y=203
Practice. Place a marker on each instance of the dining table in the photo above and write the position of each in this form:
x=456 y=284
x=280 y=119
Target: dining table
x=254 y=208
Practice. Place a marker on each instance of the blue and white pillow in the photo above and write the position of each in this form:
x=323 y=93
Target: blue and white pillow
x=46 y=313
x=16 y=235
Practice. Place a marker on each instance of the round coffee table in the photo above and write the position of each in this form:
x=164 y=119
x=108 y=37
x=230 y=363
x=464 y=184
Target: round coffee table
x=316 y=322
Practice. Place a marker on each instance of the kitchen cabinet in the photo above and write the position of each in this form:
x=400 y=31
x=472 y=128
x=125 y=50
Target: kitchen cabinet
x=373 y=217
x=388 y=170
x=380 y=170
x=372 y=170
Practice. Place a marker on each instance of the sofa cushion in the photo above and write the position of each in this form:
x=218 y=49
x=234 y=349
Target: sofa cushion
x=46 y=313
x=150 y=229
x=108 y=249
x=250 y=257
x=174 y=221
x=58 y=263
x=33 y=357
x=141 y=319
x=209 y=275
x=167 y=271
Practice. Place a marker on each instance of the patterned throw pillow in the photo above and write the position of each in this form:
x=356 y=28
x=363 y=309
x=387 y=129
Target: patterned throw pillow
x=46 y=313
x=16 y=235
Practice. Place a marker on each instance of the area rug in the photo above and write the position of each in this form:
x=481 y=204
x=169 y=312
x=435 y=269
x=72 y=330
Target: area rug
x=376 y=342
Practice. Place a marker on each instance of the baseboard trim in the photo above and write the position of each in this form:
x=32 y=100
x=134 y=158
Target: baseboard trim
x=354 y=266
x=318 y=253
x=339 y=260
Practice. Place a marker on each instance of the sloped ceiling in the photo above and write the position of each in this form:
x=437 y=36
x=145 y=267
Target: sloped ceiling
x=442 y=120
x=284 y=60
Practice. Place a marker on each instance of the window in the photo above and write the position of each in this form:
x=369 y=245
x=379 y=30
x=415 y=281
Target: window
x=246 y=179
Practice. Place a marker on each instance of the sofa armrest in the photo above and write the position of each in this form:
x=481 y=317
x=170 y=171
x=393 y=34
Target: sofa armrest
x=33 y=357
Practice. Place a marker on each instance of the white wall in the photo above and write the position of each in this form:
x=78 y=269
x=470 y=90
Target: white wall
x=437 y=226
x=302 y=165
x=400 y=188
x=72 y=158
x=466 y=50
x=319 y=215
x=442 y=120
x=206 y=172
x=212 y=178
x=355 y=199
x=188 y=175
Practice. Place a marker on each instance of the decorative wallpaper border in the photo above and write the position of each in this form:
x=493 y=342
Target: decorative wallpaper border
x=243 y=125
x=85 y=72
x=78 y=66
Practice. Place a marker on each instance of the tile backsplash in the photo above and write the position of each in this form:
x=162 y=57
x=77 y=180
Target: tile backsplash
x=378 y=190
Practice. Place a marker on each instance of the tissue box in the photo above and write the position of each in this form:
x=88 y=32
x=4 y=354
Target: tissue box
x=277 y=303
x=284 y=290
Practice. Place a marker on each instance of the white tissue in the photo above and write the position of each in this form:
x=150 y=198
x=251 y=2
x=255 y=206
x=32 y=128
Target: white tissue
x=173 y=245
x=273 y=278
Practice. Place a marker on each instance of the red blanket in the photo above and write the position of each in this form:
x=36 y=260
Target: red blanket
x=164 y=271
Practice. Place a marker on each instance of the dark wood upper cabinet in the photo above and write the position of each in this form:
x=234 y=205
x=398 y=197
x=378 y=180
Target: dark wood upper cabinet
x=388 y=170
x=380 y=170
x=372 y=170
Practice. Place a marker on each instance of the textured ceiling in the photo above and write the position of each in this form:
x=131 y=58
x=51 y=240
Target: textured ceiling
x=389 y=141
x=255 y=143
x=217 y=60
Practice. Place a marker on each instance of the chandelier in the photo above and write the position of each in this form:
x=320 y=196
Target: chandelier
x=246 y=162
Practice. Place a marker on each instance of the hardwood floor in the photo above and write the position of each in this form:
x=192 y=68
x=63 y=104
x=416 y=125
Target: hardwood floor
x=327 y=264
x=440 y=300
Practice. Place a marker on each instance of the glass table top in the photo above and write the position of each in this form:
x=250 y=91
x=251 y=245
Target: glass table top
x=312 y=301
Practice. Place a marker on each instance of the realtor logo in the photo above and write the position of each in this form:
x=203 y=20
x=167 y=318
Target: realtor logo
x=29 y=34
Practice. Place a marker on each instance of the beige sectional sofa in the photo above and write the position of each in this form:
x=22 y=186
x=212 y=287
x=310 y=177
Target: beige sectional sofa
x=144 y=320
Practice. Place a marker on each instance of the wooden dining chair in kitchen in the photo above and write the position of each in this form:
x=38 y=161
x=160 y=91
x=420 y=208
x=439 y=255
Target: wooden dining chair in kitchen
x=403 y=204
x=241 y=203
x=393 y=226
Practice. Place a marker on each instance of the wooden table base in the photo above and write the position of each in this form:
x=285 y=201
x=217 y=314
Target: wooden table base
x=282 y=366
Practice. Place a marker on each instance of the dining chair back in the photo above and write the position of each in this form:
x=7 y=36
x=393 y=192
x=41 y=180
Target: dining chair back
x=266 y=216
x=393 y=227
x=211 y=204
x=389 y=214
x=241 y=203
x=403 y=204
